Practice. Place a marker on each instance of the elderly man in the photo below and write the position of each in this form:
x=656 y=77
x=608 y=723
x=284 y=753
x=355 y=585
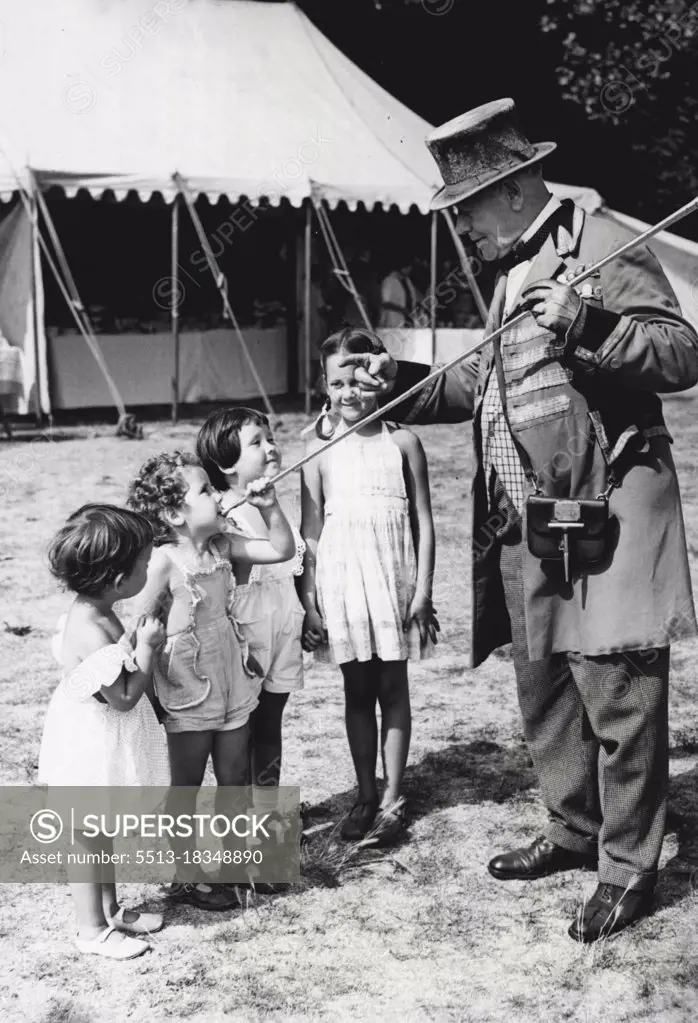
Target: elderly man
x=579 y=553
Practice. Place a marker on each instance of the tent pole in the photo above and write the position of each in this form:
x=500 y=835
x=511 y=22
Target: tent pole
x=35 y=312
x=220 y=282
x=174 y=283
x=306 y=302
x=432 y=285
x=291 y=237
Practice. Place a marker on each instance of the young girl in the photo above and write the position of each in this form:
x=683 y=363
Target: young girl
x=369 y=565
x=236 y=447
x=201 y=676
x=99 y=729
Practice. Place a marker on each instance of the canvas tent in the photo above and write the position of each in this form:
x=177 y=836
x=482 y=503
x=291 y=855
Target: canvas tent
x=241 y=98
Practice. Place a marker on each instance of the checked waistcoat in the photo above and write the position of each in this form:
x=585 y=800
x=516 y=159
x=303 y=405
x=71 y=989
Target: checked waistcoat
x=535 y=388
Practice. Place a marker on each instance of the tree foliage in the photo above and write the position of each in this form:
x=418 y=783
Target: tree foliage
x=632 y=67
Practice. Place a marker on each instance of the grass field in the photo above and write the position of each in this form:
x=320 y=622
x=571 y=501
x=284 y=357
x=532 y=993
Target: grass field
x=419 y=933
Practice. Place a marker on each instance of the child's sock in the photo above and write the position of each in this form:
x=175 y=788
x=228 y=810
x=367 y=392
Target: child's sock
x=265 y=798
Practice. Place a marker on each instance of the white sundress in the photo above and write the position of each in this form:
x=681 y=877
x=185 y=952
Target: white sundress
x=86 y=742
x=366 y=570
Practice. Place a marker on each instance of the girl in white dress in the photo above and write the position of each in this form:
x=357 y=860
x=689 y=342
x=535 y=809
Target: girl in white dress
x=369 y=533
x=99 y=729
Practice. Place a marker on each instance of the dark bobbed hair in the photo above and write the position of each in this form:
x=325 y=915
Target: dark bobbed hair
x=98 y=543
x=218 y=443
x=160 y=485
x=353 y=340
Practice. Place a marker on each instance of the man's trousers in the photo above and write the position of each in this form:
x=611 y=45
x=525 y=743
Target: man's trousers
x=597 y=731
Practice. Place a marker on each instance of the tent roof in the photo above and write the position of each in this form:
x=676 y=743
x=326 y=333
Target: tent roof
x=242 y=98
x=248 y=97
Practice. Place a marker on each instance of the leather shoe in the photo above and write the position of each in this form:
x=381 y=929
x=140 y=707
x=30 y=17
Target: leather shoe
x=539 y=859
x=610 y=909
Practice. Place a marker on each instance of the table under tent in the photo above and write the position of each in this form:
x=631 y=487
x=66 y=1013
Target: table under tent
x=187 y=205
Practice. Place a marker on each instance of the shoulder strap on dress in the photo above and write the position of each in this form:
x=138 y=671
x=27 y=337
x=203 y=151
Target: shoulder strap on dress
x=176 y=559
x=219 y=559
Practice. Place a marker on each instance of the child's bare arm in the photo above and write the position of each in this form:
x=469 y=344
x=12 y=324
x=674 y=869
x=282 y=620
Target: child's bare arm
x=312 y=522
x=281 y=544
x=416 y=476
x=152 y=601
x=155 y=595
x=124 y=693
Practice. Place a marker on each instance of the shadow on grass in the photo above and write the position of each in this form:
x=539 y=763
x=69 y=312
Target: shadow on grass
x=679 y=879
x=478 y=771
x=47 y=436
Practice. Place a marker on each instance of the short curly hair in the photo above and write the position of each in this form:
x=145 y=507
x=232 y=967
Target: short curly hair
x=160 y=485
x=218 y=443
x=98 y=543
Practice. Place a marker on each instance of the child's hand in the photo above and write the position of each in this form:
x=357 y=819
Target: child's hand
x=254 y=666
x=260 y=494
x=314 y=633
x=422 y=612
x=150 y=631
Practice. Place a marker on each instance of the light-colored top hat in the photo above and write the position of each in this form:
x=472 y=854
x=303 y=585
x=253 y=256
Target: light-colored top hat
x=480 y=148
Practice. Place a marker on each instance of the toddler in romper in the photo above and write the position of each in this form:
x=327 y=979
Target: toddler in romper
x=202 y=677
x=236 y=446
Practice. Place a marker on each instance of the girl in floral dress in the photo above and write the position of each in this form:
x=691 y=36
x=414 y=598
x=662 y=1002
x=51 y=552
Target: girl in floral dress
x=369 y=533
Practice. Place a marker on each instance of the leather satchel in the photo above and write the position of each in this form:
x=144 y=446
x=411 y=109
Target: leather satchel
x=561 y=529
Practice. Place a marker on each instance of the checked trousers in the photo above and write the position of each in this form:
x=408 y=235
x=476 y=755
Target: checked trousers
x=597 y=731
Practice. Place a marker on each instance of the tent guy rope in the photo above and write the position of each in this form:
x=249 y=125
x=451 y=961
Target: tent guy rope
x=126 y=426
x=33 y=202
x=467 y=269
x=339 y=265
x=673 y=218
x=219 y=279
x=70 y=293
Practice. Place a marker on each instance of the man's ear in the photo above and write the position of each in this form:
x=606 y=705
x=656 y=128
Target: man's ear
x=514 y=192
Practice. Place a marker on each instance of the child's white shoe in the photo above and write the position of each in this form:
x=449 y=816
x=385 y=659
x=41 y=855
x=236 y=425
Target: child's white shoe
x=112 y=945
x=145 y=923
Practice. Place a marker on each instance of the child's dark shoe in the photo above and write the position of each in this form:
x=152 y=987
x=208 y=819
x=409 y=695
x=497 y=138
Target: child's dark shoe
x=213 y=897
x=358 y=821
x=255 y=888
x=390 y=824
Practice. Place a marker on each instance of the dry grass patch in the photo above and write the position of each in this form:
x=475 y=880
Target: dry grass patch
x=421 y=932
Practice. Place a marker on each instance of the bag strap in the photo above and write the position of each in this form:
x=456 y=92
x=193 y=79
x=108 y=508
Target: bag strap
x=602 y=441
x=596 y=425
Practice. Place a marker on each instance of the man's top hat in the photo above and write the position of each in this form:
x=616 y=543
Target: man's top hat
x=480 y=148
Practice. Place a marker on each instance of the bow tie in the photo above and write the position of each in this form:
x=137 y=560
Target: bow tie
x=523 y=251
